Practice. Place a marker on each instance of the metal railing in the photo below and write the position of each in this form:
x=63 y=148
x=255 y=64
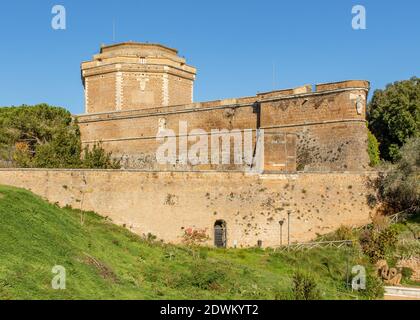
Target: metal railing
x=316 y=244
x=395 y=218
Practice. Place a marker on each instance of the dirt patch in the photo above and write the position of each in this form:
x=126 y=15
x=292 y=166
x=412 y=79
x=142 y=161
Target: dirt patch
x=2 y=195
x=103 y=269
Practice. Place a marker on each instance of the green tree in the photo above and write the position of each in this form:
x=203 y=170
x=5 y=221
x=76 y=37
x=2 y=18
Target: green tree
x=394 y=116
x=39 y=136
x=44 y=136
x=399 y=188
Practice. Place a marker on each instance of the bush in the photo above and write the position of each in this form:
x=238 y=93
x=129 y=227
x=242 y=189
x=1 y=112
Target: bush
x=373 y=150
x=305 y=287
x=342 y=233
x=98 y=158
x=374 y=287
x=380 y=222
x=371 y=200
x=407 y=273
x=377 y=243
x=194 y=236
x=399 y=188
x=149 y=237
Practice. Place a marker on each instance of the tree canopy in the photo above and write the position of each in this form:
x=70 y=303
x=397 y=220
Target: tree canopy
x=44 y=136
x=394 y=116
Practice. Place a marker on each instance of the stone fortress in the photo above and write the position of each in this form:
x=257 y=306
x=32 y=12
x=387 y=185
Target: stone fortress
x=134 y=89
x=314 y=176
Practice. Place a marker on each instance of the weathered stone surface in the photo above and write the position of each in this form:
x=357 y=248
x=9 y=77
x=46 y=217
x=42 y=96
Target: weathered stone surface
x=132 y=75
x=132 y=88
x=165 y=203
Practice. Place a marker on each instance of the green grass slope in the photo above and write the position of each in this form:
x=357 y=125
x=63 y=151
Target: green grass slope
x=105 y=261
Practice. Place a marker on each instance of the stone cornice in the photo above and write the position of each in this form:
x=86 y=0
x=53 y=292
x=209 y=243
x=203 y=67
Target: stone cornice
x=131 y=67
x=137 y=44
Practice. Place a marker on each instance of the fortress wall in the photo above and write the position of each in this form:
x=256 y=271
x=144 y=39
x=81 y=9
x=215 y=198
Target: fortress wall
x=134 y=138
x=166 y=203
x=313 y=108
x=117 y=126
x=331 y=130
x=336 y=146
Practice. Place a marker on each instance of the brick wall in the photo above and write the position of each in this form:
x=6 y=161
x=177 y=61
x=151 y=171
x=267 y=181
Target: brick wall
x=130 y=76
x=329 y=125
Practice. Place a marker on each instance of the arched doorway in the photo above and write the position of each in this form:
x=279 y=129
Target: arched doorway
x=220 y=234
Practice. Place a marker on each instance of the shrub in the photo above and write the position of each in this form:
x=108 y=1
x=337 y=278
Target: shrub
x=399 y=189
x=342 y=233
x=373 y=150
x=380 y=222
x=149 y=237
x=374 y=287
x=377 y=244
x=407 y=273
x=372 y=201
x=305 y=287
x=194 y=236
x=98 y=158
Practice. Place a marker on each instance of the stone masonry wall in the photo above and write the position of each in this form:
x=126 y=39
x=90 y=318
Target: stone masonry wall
x=329 y=124
x=166 y=203
x=127 y=76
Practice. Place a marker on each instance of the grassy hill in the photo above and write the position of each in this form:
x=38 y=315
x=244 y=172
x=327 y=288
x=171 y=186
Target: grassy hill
x=105 y=261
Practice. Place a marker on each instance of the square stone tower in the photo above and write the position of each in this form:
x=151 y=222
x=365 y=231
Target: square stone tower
x=133 y=76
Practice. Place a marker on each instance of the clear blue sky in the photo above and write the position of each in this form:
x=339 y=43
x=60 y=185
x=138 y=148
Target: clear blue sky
x=234 y=44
